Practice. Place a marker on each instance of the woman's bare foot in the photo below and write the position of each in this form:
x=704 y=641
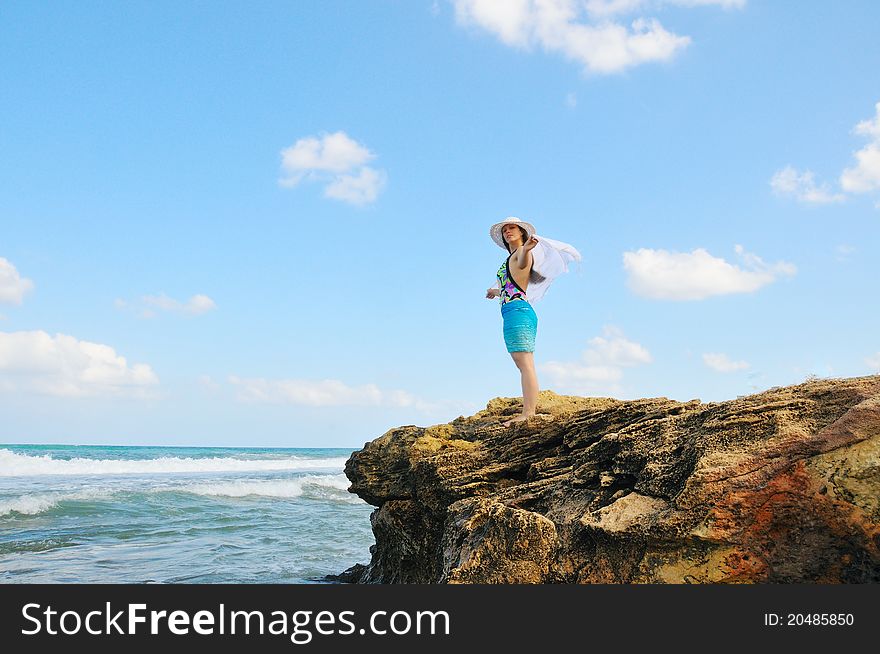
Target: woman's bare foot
x=520 y=418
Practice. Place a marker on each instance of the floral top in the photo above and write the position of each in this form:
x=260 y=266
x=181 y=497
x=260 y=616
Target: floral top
x=510 y=290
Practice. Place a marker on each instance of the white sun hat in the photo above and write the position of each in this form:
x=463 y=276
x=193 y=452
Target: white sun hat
x=495 y=230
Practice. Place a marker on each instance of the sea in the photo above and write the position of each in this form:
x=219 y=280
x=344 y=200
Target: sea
x=177 y=515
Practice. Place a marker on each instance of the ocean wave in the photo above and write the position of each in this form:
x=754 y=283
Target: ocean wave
x=309 y=485
x=42 y=502
x=325 y=487
x=23 y=465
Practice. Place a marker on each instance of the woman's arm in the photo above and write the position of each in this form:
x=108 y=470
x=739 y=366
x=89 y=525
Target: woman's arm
x=522 y=258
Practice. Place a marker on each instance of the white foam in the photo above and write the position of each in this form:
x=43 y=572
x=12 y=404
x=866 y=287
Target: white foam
x=267 y=488
x=40 y=502
x=21 y=465
x=332 y=487
x=244 y=488
x=339 y=482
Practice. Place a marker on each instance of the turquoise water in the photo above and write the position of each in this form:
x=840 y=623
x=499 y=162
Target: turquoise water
x=100 y=514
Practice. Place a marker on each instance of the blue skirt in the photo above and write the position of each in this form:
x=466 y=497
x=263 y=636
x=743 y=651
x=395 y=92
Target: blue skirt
x=520 y=326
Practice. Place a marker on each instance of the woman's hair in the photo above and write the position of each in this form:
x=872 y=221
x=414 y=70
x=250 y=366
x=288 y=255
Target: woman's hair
x=533 y=276
x=525 y=236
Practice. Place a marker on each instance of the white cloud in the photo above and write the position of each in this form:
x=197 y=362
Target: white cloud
x=593 y=40
x=865 y=176
x=197 y=305
x=13 y=286
x=555 y=26
x=324 y=392
x=802 y=186
x=601 y=367
x=65 y=366
x=360 y=189
x=874 y=362
x=722 y=363
x=663 y=275
x=337 y=161
x=605 y=8
x=571 y=101
x=615 y=350
x=724 y=4
x=843 y=251
x=207 y=383
x=335 y=153
x=871 y=126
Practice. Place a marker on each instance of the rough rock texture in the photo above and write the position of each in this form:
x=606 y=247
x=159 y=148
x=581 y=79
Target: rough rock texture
x=782 y=486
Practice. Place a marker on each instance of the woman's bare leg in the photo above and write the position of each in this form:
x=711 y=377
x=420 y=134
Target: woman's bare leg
x=525 y=361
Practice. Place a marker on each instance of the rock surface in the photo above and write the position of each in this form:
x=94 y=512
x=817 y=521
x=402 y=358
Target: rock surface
x=778 y=487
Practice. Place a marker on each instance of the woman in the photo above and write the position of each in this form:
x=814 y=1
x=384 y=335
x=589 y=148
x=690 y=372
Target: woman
x=526 y=263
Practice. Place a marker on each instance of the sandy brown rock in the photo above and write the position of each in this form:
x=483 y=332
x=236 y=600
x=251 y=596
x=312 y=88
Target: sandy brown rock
x=780 y=486
x=485 y=539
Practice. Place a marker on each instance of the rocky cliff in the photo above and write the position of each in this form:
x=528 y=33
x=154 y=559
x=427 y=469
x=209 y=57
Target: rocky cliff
x=781 y=487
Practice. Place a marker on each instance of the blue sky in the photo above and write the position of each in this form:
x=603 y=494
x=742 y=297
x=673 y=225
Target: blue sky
x=267 y=223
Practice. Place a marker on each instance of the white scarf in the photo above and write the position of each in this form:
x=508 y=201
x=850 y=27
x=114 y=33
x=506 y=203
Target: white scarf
x=550 y=259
